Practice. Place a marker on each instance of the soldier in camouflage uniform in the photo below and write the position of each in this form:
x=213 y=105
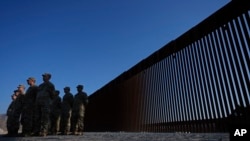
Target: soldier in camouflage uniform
x=28 y=108
x=11 y=122
x=78 y=111
x=19 y=105
x=14 y=111
x=55 y=113
x=66 y=111
x=43 y=101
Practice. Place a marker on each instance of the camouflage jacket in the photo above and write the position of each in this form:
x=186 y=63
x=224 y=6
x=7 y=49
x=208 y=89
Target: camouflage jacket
x=46 y=91
x=30 y=97
x=80 y=102
x=19 y=103
x=67 y=102
x=11 y=108
x=56 y=105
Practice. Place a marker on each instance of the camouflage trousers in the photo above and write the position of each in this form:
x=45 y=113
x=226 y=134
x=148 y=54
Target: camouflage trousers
x=65 y=122
x=13 y=125
x=42 y=117
x=27 y=120
x=77 y=123
x=55 y=123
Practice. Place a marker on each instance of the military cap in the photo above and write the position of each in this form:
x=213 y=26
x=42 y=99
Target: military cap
x=21 y=86
x=16 y=91
x=46 y=74
x=31 y=78
x=66 y=88
x=79 y=86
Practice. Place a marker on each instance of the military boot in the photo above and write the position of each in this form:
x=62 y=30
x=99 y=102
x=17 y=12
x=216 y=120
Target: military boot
x=43 y=134
x=74 y=133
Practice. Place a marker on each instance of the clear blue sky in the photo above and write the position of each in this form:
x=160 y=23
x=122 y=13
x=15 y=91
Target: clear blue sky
x=87 y=42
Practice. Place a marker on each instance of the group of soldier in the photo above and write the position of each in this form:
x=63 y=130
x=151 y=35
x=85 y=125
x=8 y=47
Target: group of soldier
x=41 y=111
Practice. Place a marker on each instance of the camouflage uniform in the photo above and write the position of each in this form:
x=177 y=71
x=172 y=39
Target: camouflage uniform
x=55 y=113
x=43 y=101
x=66 y=111
x=78 y=111
x=11 y=121
x=28 y=109
x=15 y=111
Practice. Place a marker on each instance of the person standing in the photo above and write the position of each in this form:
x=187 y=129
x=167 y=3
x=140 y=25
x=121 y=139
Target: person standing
x=14 y=111
x=66 y=111
x=19 y=105
x=43 y=100
x=55 y=113
x=12 y=127
x=78 y=111
x=28 y=107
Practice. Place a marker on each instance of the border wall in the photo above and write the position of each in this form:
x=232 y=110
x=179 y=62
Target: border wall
x=198 y=82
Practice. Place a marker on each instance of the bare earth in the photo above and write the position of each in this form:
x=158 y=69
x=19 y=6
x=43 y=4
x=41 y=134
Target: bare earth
x=127 y=136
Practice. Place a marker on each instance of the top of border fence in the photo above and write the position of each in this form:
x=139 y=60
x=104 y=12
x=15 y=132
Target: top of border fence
x=218 y=19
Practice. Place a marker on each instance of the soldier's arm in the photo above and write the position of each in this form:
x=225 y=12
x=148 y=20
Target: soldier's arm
x=18 y=106
x=51 y=89
x=35 y=91
x=71 y=100
x=85 y=99
x=10 y=108
x=59 y=102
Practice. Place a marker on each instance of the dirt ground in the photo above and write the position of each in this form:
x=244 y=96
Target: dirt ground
x=125 y=136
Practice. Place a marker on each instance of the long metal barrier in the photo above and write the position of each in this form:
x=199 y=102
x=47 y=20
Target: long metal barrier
x=196 y=83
